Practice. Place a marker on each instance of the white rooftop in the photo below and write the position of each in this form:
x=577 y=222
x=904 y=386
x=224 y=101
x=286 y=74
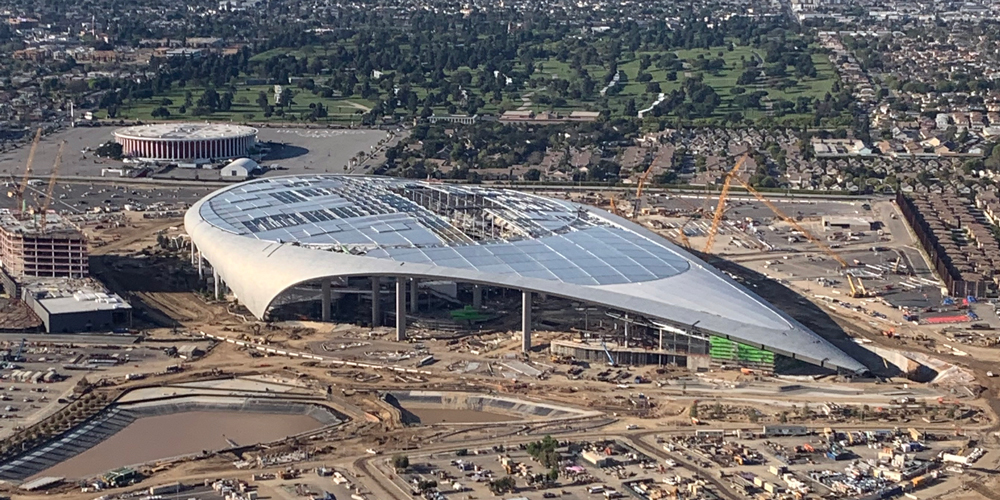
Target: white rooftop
x=65 y=295
x=185 y=131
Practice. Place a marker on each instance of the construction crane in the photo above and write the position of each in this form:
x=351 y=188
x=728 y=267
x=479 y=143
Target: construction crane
x=856 y=290
x=50 y=190
x=19 y=354
x=642 y=180
x=19 y=193
x=611 y=359
x=721 y=207
x=614 y=208
x=798 y=227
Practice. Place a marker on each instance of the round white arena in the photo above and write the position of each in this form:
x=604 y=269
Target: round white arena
x=186 y=141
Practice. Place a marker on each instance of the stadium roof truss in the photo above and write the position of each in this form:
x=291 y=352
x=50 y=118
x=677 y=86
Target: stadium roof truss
x=267 y=235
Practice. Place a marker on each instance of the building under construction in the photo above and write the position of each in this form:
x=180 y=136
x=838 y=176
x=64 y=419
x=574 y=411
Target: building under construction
x=31 y=247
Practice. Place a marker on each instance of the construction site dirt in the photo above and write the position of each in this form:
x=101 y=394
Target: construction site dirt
x=147 y=261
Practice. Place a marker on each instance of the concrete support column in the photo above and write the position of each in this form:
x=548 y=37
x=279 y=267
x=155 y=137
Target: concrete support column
x=477 y=296
x=215 y=278
x=201 y=269
x=400 y=308
x=525 y=321
x=414 y=295
x=376 y=305
x=325 y=287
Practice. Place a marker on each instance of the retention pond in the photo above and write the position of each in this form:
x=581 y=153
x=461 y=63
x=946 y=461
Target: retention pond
x=164 y=436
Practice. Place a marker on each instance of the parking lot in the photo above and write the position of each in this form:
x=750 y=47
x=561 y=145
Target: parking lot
x=39 y=378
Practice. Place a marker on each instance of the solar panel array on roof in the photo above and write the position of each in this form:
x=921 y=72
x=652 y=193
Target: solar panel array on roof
x=376 y=215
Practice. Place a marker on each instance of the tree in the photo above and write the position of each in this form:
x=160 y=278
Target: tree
x=160 y=112
x=400 y=462
x=109 y=149
x=209 y=100
x=693 y=411
x=533 y=174
x=505 y=485
x=285 y=99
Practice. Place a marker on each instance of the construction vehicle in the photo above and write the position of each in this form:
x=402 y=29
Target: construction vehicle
x=18 y=194
x=721 y=207
x=855 y=293
x=50 y=190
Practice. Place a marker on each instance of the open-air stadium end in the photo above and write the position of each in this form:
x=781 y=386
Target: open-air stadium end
x=266 y=236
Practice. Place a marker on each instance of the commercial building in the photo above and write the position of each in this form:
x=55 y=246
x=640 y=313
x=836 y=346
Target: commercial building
x=186 y=141
x=323 y=237
x=72 y=305
x=29 y=249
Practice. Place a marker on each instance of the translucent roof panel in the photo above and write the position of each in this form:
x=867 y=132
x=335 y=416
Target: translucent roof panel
x=463 y=227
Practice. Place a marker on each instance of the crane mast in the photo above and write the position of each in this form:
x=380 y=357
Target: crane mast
x=50 y=190
x=721 y=207
x=19 y=193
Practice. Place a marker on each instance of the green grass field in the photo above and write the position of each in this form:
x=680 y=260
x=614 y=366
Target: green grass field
x=539 y=97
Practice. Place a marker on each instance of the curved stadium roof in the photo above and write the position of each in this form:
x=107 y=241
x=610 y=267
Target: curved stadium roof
x=267 y=235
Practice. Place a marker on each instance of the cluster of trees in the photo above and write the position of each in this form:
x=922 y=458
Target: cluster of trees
x=110 y=149
x=506 y=484
x=496 y=145
x=544 y=452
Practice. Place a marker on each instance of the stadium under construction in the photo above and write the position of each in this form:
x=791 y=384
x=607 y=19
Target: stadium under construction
x=339 y=242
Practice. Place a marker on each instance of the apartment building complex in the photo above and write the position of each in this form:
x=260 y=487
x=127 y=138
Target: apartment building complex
x=28 y=250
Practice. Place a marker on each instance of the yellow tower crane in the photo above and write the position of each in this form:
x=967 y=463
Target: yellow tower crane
x=721 y=207
x=642 y=180
x=798 y=227
x=18 y=192
x=50 y=190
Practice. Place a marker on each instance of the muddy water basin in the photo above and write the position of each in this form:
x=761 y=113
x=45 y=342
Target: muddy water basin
x=158 y=437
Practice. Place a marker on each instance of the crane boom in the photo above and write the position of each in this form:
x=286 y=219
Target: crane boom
x=614 y=208
x=27 y=170
x=683 y=237
x=50 y=190
x=721 y=207
x=642 y=180
x=809 y=236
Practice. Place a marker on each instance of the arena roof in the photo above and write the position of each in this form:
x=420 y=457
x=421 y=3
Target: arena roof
x=182 y=131
x=302 y=228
